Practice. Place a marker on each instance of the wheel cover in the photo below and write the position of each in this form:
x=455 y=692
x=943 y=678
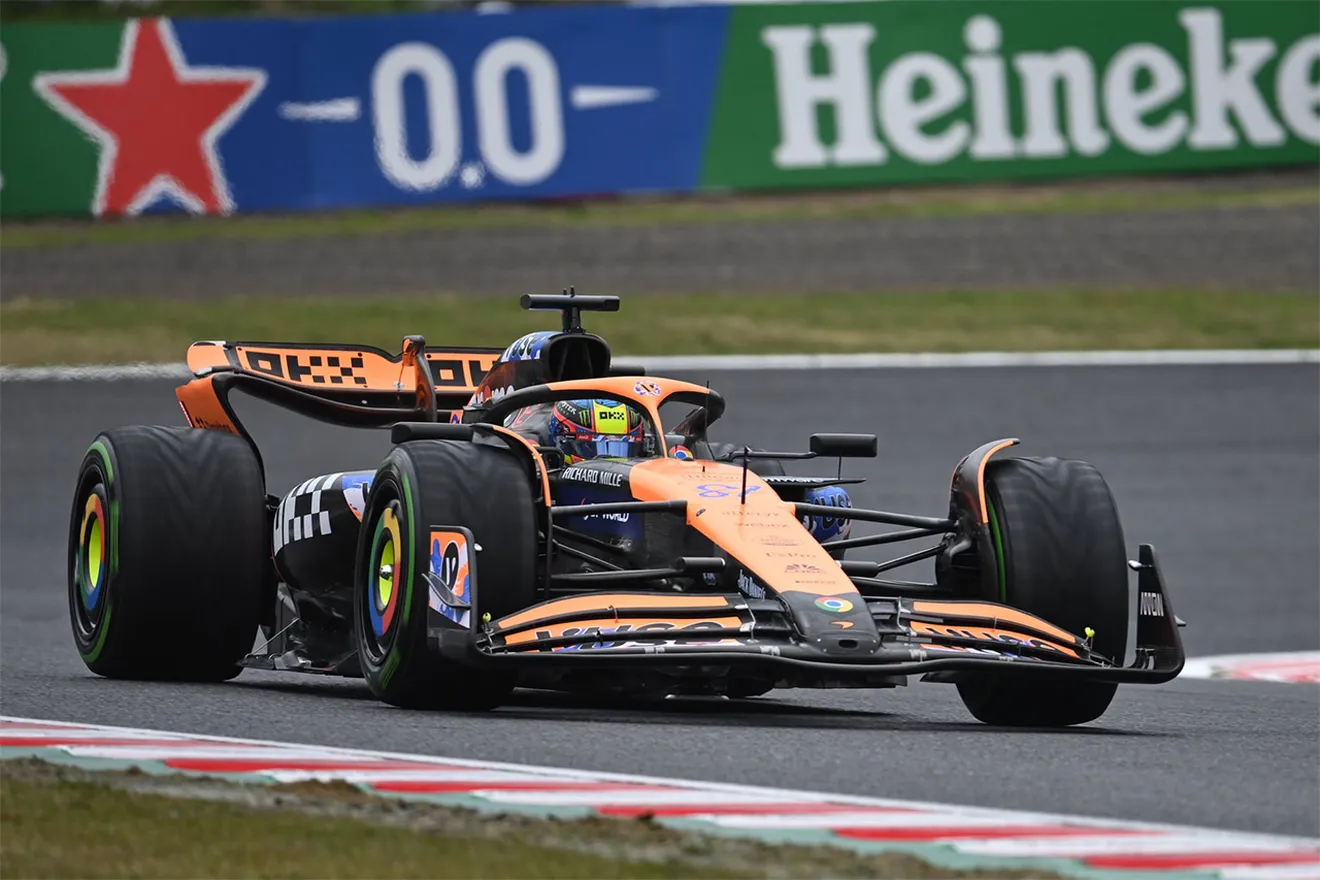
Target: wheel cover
x=91 y=562
x=384 y=576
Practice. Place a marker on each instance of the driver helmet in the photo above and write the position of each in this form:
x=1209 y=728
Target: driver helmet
x=587 y=429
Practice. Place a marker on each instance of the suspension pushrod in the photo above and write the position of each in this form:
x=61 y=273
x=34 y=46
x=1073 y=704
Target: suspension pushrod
x=880 y=516
x=886 y=538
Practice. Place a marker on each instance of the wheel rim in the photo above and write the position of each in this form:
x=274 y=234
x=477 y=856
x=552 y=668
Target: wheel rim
x=91 y=561
x=384 y=581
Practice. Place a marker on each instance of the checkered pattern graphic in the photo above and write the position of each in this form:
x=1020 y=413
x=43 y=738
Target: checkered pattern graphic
x=301 y=513
x=336 y=378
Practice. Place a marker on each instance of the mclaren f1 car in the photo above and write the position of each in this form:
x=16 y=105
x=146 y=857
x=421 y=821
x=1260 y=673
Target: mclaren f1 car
x=539 y=522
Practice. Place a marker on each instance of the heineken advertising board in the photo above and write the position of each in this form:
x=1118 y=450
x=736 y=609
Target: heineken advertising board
x=887 y=92
x=223 y=115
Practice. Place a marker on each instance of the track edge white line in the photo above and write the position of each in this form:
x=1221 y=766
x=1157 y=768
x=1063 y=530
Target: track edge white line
x=738 y=362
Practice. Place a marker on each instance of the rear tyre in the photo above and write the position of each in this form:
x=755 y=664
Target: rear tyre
x=167 y=551
x=1060 y=554
x=742 y=689
x=485 y=489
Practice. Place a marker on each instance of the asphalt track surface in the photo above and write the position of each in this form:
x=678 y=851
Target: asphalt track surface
x=1242 y=248
x=1216 y=466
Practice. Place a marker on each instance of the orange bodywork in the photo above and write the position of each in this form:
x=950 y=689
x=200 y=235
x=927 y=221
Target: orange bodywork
x=986 y=634
x=733 y=507
x=994 y=614
x=644 y=392
x=980 y=478
x=537 y=458
x=764 y=533
x=326 y=368
x=202 y=407
x=342 y=367
x=685 y=628
x=595 y=602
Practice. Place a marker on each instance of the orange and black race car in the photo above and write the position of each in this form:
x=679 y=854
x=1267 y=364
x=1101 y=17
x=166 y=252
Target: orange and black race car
x=548 y=519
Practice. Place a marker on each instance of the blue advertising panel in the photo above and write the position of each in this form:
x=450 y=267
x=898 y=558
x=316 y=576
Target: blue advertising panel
x=225 y=115
x=418 y=109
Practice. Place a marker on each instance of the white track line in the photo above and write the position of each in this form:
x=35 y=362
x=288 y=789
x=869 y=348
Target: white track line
x=202 y=753
x=1049 y=847
x=1272 y=872
x=874 y=819
x=738 y=362
x=95 y=372
x=474 y=777
x=978 y=359
x=643 y=796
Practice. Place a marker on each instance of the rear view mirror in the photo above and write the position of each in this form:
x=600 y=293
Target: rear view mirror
x=627 y=370
x=845 y=445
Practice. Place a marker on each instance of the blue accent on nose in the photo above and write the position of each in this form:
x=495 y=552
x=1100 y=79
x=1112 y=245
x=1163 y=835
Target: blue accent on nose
x=828 y=528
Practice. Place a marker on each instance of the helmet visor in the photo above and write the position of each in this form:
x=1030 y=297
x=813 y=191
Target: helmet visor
x=583 y=446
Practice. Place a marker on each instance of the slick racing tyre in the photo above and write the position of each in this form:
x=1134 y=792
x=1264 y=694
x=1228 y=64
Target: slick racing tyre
x=167 y=554
x=1060 y=555
x=483 y=489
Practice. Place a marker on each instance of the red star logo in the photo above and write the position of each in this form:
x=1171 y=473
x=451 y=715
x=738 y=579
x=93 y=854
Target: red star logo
x=156 y=119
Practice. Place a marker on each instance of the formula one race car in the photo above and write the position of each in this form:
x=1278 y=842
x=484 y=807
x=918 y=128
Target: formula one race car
x=538 y=523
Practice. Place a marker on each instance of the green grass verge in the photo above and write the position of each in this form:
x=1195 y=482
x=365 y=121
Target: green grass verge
x=152 y=330
x=899 y=202
x=66 y=822
x=80 y=829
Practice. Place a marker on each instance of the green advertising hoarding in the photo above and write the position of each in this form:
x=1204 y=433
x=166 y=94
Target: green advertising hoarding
x=873 y=93
x=34 y=136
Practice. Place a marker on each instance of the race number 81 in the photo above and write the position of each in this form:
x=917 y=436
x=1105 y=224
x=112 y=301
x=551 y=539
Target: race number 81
x=490 y=93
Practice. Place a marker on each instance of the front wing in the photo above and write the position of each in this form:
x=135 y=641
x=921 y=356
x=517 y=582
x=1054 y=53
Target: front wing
x=937 y=638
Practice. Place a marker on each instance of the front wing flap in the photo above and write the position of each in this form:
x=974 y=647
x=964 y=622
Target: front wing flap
x=917 y=636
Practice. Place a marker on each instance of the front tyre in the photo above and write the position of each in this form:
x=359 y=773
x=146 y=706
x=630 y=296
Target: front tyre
x=1060 y=555
x=166 y=552
x=424 y=483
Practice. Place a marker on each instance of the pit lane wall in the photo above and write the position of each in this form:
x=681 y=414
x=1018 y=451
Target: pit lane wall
x=260 y=114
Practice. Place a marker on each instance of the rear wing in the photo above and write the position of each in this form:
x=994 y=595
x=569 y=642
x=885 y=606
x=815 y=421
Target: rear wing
x=350 y=385
x=455 y=371
x=361 y=386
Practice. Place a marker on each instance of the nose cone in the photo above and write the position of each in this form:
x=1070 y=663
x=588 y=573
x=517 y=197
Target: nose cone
x=761 y=531
x=835 y=624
